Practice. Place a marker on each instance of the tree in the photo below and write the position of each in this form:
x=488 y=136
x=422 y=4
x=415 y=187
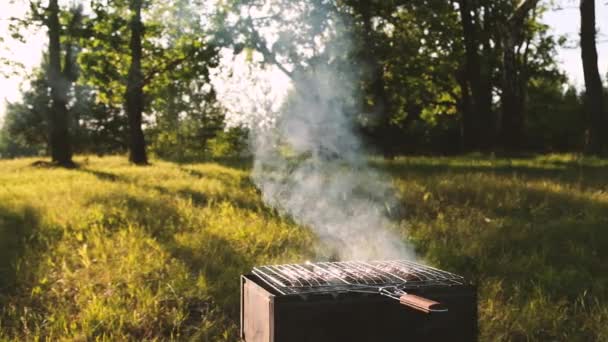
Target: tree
x=513 y=89
x=169 y=56
x=94 y=127
x=554 y=116
x=60 y=80
x=370 y=54
x=25 y=124
x=476 y=88
x=399 y=57
x=59 y=75
x=594 y=107
x=134 y=95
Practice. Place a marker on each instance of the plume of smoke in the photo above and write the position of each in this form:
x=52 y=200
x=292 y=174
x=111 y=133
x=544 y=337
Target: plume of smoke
x=312 y=166
x=309 y=162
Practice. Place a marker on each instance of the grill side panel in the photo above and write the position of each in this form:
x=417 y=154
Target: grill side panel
x=372 y=318
x=257 y=313
x=354 y=317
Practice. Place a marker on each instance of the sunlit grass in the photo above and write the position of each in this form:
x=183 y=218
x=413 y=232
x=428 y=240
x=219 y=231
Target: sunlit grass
x=113 y=252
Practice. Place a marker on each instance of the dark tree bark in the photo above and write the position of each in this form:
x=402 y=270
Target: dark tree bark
x=464 y=105
x=512 y=126
x=134 y=96
x=513 y=90
x=59 y=134
x=596 y=142
x=470 y=84
x=477 y=127
x=486 y=85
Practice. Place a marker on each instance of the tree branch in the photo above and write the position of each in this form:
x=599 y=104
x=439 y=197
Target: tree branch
x=261 y=46
x=517 y=18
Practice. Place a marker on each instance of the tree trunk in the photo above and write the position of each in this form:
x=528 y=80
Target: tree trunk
x=59 y=134
x=512 y=134
x=593 y=83
x=486 y=86
x=513 y=90
x=464 y=106
x=135 y=84
x=471 y=85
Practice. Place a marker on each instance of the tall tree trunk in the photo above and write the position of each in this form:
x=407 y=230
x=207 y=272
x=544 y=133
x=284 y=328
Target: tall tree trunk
x=464 y=105
x=596 y=143
x=486 y=86
x=477 y=126
x=135 y=89
x=471 y=83
x=512 y=134
x=59 y=134
x=513 y=90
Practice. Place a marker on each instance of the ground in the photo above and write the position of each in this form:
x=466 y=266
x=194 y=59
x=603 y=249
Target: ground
x=110 y=251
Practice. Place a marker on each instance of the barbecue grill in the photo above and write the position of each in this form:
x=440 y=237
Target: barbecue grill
x=356 y=301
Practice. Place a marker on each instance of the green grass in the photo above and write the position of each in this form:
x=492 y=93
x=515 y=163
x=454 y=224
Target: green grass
x=112 y=252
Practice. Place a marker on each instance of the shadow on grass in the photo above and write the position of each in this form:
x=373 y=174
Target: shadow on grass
x=16 y=228
x=204 y=253
x=45 y=164
x=239 y=163
x=569 y=172
x=201 y=199
x=219 y=263
x=20 y=253
x=102 y=175
x=226 y=179
x=198 y=198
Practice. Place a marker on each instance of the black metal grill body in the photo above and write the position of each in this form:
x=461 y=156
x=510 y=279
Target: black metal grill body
x=324 y=314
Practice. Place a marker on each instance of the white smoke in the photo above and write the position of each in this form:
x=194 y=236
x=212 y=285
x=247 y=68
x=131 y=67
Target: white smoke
x=309 y=162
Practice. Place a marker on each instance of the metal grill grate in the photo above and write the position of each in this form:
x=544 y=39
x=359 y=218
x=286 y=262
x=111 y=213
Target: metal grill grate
x=359 y=276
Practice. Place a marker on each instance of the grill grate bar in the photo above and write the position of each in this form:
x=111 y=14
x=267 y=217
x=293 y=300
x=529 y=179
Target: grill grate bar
x=430 y=272
x=286 y=279
x=341 y=273
x=392 y=273
x=370 y=274
x=351 y=275
x=312 y=278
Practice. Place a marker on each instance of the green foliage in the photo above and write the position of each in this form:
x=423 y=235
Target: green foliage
x=95 y=127
x=555 y=117
x=189 y=143
x=24 y=128
x=404 y=62
x=11 y=147
x=194 y=131
x=177 y=53
x=229 y=144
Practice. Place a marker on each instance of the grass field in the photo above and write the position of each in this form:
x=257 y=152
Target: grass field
x=113 y=252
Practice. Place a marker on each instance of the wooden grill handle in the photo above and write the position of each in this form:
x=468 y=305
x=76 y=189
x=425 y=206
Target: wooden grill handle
x=422 y=304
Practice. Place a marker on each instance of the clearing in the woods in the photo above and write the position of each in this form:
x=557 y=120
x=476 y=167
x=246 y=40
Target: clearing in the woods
x=114 y=252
